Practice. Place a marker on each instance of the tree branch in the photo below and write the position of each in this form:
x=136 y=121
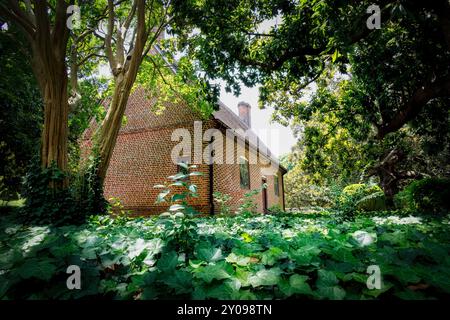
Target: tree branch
x=415 y=104
x=108 y=37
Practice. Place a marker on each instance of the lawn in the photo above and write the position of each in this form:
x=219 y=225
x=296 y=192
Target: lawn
x=306 y=256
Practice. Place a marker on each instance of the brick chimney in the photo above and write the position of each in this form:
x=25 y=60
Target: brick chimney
x=245 y=112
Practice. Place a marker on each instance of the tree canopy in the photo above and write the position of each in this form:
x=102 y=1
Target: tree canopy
x=384 y=78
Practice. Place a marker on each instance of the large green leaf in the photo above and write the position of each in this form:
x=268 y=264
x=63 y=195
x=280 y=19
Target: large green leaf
x=265 y=277
x=326 y=278
x=180 y=281
x=295 y=285
x=239 y=260
x=168 y=261
x=206 y=252
x=40 y=269
x=218 y=271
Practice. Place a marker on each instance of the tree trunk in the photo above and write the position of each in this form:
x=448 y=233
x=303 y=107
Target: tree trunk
x=111 y=125
x=55 y=131
x=387 y=171
x=124 y=67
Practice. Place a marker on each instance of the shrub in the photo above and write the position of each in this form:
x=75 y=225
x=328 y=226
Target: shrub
x=360 y=190
x=249 y=206
x=373 y=202
x=359 y=197
x=61 y=206
x=430 y=195
x=222 y=200
x=178 y=219
x=275 y=209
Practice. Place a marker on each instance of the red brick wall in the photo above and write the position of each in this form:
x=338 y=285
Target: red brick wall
x=142 y=159
x=227 y=181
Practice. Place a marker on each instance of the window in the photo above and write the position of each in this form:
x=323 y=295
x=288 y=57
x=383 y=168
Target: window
x=276 y=185
x=244 y=173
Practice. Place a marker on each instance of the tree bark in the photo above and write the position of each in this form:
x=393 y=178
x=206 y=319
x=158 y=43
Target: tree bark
x=55 y=131
x=48 y=41
x=111 y=125
x=124 y=67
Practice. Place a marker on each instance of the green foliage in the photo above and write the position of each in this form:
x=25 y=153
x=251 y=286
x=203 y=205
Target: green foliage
x=372 y=202
x=184 y=87
x=357 y=110
x=87 y=188
x=222 y=200
x=47 y=204
x=20 y=113
x=428 y=196
x=177 y=221
x=354 y=197
x=233 y=257
x=359 y=190
x=275 y=209
x=249 y=206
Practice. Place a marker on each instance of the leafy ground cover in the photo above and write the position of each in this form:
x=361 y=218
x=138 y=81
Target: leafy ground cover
x=302 y=256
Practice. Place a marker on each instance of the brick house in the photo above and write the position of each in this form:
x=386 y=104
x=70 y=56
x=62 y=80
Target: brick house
x=142 y=158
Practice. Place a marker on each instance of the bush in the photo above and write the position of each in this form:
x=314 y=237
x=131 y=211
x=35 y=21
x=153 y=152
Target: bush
x=275 y=209
x=430 y=195
x=61 y=206
x=360 y=190
x=222 y=200
x=249 y=206
x=359 y=197
x=373 y=202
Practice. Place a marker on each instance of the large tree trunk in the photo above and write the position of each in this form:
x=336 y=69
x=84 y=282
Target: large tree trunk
x=55 y=132
x=49 y=44
x=124 y=67
x=111 y=125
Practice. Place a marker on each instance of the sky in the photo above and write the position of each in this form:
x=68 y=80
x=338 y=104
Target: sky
x=279 y=139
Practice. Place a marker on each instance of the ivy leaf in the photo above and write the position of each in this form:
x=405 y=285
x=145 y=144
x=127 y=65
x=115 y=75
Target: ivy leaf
x=206 y=252
x=168 y=261
x=136 y=249
x=239 y=260
x=265 y=277
x=271 y=256
x=332 y=293
x=40 y=269
x=326 y=278
x=180 y=281
x=296 y=285
x=218 y=271
x=327 y=286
